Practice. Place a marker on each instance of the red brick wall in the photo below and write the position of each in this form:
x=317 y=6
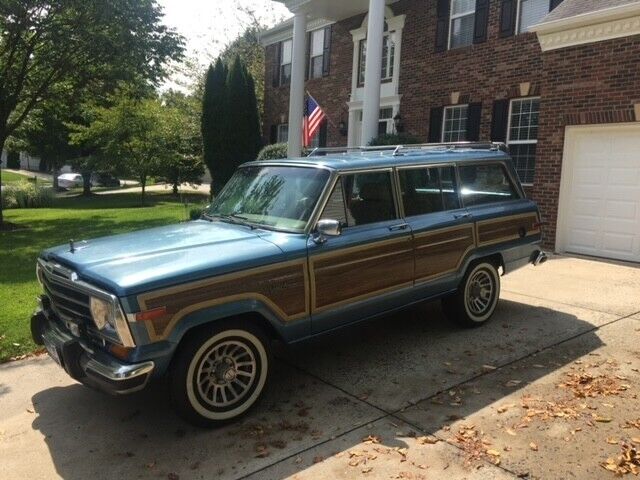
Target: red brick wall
x=596 y=83
x=588 y=84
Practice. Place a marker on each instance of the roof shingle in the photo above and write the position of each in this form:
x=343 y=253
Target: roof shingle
x=572 y=8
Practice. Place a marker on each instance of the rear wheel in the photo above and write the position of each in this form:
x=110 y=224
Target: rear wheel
x=220 y=373
x=477 y=296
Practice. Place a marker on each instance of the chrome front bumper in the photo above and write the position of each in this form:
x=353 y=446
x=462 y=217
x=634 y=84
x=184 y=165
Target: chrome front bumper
x=86 y=364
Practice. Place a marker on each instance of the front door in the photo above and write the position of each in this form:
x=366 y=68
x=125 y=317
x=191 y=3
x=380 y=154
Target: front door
x=367 y=268
x=443 y=231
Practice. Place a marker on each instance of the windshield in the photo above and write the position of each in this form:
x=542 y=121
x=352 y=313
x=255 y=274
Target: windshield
x=278 y=197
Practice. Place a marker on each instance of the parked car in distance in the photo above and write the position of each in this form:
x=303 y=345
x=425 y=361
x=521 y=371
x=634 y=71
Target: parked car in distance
x=290 y=249
x=103 y=179
x=70 y=180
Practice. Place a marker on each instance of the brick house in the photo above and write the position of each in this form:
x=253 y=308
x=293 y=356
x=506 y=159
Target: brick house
x=558 y=81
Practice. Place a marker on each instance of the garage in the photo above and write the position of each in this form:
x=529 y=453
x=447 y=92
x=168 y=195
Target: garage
x=599 y=211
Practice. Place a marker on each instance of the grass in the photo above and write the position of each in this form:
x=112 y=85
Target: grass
x=71 y=217
x=12 y=177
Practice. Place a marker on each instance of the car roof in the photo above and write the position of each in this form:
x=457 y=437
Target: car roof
x=368 y=159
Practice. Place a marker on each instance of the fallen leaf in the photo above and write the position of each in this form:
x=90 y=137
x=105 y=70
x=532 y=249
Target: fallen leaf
x=511 y=432
x=367 y=470
x=317 y=459
x=173 y=476
x=488 y=368
x=600 y=419
x=427 y=440
x=533 y=446
x=612 y=441
x=493 y=452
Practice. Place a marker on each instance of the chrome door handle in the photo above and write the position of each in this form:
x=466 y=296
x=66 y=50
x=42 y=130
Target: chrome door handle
x=458 y=216
x=396 y=228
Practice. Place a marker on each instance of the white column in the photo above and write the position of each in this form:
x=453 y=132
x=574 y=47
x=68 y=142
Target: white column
x=373 y=71
x=296 y=96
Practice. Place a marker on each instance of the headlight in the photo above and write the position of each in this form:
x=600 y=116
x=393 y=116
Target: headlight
x=102 y=313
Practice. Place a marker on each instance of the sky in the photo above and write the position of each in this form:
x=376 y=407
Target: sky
x=209 y=25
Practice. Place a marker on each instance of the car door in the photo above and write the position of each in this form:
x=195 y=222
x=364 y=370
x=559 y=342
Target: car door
x=443 y=232
x=365 y=269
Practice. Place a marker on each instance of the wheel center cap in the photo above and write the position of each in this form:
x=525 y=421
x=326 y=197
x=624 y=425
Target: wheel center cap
x=229 y=375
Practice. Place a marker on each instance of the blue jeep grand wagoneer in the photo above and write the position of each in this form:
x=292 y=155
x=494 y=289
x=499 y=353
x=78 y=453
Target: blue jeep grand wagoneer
x=288 y=250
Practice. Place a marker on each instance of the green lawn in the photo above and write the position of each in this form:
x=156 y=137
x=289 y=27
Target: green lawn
x=73 y=217
x=12 y=177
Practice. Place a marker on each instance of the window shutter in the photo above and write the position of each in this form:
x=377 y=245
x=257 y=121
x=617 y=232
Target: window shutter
x=473 y=122
x=326 y=57
x=554 y=4
x=276 y=67
x=442 y=28
x=322 y=141
x=482 y=21
x=273 y=136
x=435 y=124
x=508 y=13
x=307 y=70
x=500 y=121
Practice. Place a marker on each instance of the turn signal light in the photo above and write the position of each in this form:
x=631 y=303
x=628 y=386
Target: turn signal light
x=151 y=314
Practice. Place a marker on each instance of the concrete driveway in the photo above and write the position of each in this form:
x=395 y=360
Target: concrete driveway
x=547 y=390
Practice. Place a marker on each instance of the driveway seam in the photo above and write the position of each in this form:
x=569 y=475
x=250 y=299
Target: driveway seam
x=564 y=303
x=395 y=414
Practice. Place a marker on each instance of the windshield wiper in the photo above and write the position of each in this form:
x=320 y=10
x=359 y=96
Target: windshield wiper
x=232 y=218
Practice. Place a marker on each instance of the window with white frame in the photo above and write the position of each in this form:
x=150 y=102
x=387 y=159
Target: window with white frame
x=286 y=53
x=531 y=12
x=454 y=126
x=388 y=57
x=316 y=55
x=385 y=120
x=283 y=133
x=463 y=14
x=522 y=137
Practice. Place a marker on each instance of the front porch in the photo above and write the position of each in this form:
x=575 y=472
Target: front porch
x=374 y=99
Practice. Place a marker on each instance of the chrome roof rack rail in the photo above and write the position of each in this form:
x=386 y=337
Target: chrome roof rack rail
x=396 y=150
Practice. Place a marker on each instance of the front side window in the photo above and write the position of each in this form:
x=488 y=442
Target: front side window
x=455 y=124
x=428 y=190
x=388 y=58
x=522 y=137
x=482 y=184
x=285 y=62
x=362 y=199
x=463 y=13
x=531 y=12
x=316 y=59
x=282 y=198
x=283 y=133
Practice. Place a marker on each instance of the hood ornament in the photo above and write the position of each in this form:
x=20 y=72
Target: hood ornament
x=72 y=247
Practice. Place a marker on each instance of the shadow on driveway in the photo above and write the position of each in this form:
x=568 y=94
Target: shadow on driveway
x=319 y=391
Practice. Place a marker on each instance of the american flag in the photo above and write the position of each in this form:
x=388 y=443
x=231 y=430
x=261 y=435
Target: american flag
x=313 y=118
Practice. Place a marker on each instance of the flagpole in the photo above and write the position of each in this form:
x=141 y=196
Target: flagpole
x=326 y=114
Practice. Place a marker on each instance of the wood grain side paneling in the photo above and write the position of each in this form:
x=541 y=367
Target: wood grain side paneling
x=504 y=229
x=283 y=288
x=354 y=274
x=442 y=251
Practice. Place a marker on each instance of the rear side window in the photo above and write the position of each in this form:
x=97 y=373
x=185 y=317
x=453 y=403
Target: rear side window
x=428 y=190
x=361 y=199
x=481 y=184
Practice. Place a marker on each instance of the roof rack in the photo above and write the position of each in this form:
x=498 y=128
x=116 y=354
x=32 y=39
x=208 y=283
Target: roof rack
x=397 y=150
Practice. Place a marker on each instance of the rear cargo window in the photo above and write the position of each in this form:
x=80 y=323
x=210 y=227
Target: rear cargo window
x=481 y=184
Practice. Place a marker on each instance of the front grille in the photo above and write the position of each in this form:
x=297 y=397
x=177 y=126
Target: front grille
x=70 y=304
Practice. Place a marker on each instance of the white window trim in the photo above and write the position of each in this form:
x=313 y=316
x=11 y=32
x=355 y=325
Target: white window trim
x=453 y=17
x=520 y=142
x=280 y=127
x=395 y=28
x=444 y=119
x=390 y=66
x=312 y=56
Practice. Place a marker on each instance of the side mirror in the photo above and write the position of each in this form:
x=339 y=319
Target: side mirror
x=327 y=228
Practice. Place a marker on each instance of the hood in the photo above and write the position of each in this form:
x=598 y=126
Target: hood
x=136 y=262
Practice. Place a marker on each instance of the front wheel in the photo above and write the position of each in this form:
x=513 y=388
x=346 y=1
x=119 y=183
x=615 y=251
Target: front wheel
x=219 y=373
x=477 y=296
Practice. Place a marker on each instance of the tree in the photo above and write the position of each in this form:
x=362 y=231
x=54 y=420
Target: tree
x=130 y=135
x=87 y=43
x=183 y=140
x=214 y=123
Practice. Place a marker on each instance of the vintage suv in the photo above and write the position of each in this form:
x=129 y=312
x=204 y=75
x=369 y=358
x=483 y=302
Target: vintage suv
x=288 y=250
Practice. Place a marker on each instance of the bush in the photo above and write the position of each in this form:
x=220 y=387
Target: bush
x=25 y=194
x=395 y=139
x=276 y=151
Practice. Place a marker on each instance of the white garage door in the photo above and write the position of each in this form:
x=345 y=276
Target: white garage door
x=600 y=193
